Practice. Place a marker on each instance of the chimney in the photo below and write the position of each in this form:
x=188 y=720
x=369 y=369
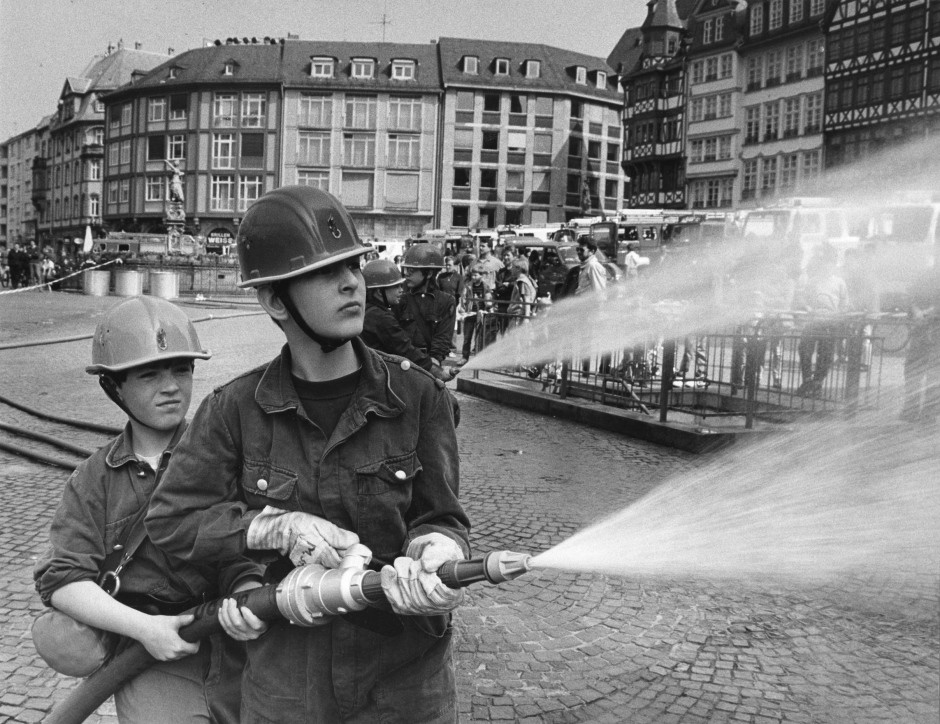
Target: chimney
x=138 y=46
x=110 y=49
x=169 y=51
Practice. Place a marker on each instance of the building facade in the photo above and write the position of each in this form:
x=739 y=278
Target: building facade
x=882 y=77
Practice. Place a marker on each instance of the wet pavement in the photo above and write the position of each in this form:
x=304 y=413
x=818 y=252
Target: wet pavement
x=551 y=646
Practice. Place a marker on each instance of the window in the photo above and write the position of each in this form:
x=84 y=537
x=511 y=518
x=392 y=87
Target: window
x=154 y=188
x=360 y=111
x=471 y=64
x=697 y=109
x=810 y=165
x=791 y=117
x=228 y=69
x=769 y=173
x=516 y=141
x=253 y=108
x=460 y=215
x=463 y=138
x=125 y=190
x=501 y=66
x=222 y=193
x=708 y=31
x=541 y=181
x=719 y=28
x=94 y=169
x=112 y=195
x=461 y=177
x=594 y=150
x=316 y=179
x=771 y=120
x=223 y=110
x=601 y=80
x=321 y=67
x=125 y=116
x=577 y=109
x=488 y=178
x=252 y=150
x=613 y=152
x=580 y=75
x=97 y=137
x=726 y=63
x=816 y=7
x=533 y=69
x=178 y=106
x=223 y=150
x=114 y=155
x=401 y=191
x=249 y=189
x=575 y=147
x=177 y=147
x=814 y=103
x=358 y=149
x=788 y=170
x=313 y=148
x=542 y=143
x=156 y=148
x=775 y=16
x=757 y=19
x=796 y=12
x=725 y=105
x=490 y=141
x=515 y=180
x=815 y=54
x=774 y=67
x=794 y=62
x=491 y=102
x=315 y=110
x=698 y=72
x=711 y=68
x=754 y=68
x=464 y=101
x=404 y=151
x=174 y=72
x=94 y=205
x=403 y=70
x=404 y=114
x=363 y=68
x=156 y=109
x=358 y=190
x=752 y=124
x=125 y=152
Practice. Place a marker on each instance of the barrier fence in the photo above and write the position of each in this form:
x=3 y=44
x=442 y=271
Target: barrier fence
x=773 y=368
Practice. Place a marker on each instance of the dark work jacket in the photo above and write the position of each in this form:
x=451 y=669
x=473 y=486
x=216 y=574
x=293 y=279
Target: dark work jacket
x=381 y=330
x=429 y=317
x=388 y=472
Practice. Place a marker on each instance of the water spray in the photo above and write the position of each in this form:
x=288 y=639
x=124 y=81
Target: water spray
x=308 y=596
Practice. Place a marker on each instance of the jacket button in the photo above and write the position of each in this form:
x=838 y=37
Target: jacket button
x=406 y=364
x=118 y=547
x=140 y=473
x=401 y=474
x=262 y=484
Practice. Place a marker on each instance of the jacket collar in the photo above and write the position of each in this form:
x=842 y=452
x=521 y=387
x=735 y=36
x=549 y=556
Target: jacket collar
x=275 y=391
x=121 y=451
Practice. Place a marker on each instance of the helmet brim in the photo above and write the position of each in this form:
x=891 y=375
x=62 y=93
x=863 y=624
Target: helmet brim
x=359 y=251
x=100 y=369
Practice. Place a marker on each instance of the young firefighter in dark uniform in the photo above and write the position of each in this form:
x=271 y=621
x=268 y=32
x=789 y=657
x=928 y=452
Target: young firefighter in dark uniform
x=427 y=313
x=143 y=351
x=329 y=445
x=381 y=329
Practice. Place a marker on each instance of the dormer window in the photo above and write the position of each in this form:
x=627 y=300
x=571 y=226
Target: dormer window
x=501 y=66
x=471 y=64
x=601 y=80
x=580 y=75
x=173 y=73
x=403 y=70
x=533 y=69
x=363 y=68
x=321 y=67
x=229 y=68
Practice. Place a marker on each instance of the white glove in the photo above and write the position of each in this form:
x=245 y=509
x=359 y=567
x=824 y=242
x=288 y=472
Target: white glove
x=413 y=587
x=305 y=537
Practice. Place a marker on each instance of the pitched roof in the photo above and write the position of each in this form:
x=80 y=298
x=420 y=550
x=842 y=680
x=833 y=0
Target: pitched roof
x=116 y=69
x=626 y=53
x=662 y=14
x=556 y=71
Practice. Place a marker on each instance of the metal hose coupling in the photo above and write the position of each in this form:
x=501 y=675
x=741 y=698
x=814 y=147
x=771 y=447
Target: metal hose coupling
x=310 y=595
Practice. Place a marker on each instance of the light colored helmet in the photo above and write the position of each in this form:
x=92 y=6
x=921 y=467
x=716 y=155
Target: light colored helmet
x=291 y=231
x=423 y=256
x=142 y=330
x=380 y=273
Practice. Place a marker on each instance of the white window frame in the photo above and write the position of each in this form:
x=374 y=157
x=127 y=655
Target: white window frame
x=253 y=110
x=313 y=148
x=533 y=69
x=153 y=190
x=125 y=152
x=726 y=65
x=124 y=186
x=126 y=116
x=218 y=199
x=404 y=150
x=775 y=15
x=322 y=66
x=317 y=178
x=156 y=109
x=404 y=113
x=356 y=108
x=94 y=169
x=94 y=206
x=315 y=110
x=228 y=68
x=817 y=7
x=708 y=31
x=501 y=66
x=359 y=150
x=796 y=12
x=403 y=70
x=250 y=188
x=601 y=80
x=223 y=151
x=224 y=108
x=176 y=147
x=471 y=65
x=362 y=68
x=757 y=19
x=698 y=72
x=719 y=28
x=580 y=75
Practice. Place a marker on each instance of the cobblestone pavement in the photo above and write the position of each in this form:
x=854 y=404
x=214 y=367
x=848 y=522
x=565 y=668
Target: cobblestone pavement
x=550 y=646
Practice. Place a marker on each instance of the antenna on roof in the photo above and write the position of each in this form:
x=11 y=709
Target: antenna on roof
x=384 y=22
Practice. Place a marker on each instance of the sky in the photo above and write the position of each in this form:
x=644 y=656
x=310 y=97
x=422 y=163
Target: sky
x=44 y=41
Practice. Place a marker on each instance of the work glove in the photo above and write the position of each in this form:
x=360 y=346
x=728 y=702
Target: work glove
x=306 y=538
x=413 y=587
x=445 y=374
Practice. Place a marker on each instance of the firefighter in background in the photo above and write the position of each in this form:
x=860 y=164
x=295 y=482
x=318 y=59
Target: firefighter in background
x=427 y=313
x=381 y=329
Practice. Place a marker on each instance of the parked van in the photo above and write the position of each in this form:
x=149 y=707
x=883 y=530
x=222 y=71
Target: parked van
x=806 y=226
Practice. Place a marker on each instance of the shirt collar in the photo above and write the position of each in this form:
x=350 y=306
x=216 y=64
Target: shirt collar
x=121 y=451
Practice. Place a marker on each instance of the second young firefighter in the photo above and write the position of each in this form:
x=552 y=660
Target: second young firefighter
x=330 y=445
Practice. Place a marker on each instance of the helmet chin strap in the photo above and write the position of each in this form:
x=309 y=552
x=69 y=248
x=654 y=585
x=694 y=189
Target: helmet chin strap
x=327 y=344
x=111 y=390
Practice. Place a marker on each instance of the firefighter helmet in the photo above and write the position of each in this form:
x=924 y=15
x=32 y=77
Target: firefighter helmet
x=293 y=230
x=423 y=256
x=380 y=273
x=142 y=330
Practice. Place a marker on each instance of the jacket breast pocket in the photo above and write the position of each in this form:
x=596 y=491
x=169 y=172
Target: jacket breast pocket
x=264 y=483
x=390 y=475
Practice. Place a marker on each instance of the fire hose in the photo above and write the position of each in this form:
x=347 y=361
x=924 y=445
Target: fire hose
x=307 y=596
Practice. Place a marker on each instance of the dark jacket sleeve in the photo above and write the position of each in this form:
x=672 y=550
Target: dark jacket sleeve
x=383 y=331
x=443 y=332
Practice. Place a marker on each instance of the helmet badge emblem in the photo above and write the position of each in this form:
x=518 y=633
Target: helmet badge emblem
x=334 y=229
x=161 y=339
